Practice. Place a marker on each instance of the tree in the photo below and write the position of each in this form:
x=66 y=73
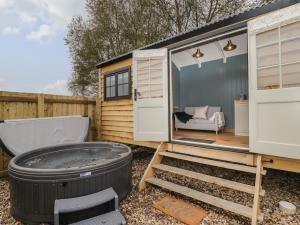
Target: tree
x=84 y=56
x=114 y=27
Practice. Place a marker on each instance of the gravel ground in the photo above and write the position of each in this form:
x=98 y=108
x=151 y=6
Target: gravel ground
x=138 y=210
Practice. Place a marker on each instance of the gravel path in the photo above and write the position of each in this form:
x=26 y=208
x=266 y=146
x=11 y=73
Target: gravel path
x=138 y=210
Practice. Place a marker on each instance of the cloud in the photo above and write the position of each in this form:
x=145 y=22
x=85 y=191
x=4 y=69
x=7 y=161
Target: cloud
x=43 y=32
x=27 y=18
x=4 y=3
x=59 y=87
x=10 y=30
x=39 y=19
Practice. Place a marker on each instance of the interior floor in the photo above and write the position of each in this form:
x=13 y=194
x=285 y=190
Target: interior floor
x=225 y=138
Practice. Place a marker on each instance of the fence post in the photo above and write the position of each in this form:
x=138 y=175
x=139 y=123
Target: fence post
x=98 y=119
x=41 y=106
x=86 y=108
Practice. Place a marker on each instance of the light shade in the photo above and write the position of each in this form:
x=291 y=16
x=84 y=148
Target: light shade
x=198 y=54
x=230 y=46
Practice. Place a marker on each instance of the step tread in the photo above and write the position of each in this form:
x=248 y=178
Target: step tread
x=206 y=198
x=232 y=166
x=207 y=178
x=84 y=202
x=114 y=217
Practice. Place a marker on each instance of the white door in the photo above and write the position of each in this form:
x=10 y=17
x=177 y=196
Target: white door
x=150 y=82
x=274 y=83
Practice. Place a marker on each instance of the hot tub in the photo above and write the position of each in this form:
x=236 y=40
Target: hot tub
x=40 y=176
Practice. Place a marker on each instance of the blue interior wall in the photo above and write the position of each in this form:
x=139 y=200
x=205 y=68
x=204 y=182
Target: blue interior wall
x=215 y=83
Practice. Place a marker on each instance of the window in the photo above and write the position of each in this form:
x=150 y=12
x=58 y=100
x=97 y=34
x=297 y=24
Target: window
x=278 y=57
x=117 y=84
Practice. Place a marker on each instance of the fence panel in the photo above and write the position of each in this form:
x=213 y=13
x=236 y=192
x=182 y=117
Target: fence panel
x=15 y=105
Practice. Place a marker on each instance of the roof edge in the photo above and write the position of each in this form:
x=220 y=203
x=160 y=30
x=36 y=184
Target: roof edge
x=227 y=21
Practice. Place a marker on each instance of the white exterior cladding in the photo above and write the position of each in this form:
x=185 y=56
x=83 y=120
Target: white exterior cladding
x=275 y=113
x=273 y=19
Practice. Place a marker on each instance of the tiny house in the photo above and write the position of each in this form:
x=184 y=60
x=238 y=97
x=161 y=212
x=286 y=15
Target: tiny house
x=226 y=94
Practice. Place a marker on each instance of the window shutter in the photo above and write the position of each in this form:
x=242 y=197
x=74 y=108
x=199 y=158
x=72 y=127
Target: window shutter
x=150 y=78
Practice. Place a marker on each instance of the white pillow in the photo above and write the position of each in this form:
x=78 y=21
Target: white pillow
x=201 y=113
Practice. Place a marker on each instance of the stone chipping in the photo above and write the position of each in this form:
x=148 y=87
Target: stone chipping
x=137 y=207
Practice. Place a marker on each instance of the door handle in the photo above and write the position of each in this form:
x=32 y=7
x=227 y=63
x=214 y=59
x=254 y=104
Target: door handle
x=136 y=94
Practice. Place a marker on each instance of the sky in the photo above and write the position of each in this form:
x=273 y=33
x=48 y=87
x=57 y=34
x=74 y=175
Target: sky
x=33 y=55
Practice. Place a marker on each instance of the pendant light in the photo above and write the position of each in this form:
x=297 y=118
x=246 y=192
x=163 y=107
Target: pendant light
x=230 y=46
x=198 y=54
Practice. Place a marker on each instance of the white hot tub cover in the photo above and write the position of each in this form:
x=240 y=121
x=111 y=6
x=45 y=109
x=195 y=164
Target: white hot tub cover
x=23 y=135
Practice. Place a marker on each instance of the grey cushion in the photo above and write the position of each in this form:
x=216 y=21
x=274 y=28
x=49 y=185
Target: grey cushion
x=210 y=111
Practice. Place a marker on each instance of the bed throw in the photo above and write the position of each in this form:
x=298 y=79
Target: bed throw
x=183 y=116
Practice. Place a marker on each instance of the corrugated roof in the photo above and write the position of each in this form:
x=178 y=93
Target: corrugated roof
x=242 y=15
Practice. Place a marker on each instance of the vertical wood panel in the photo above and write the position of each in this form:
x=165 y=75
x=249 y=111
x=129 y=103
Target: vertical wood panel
x=41 y=105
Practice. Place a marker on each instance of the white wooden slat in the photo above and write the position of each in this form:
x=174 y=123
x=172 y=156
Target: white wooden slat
x=270 y=36
x=150 y=78
x=290 y=30
x=268 y=73
x=267 y=56
x=290 y=51
x=142 y=64
x=143 y=74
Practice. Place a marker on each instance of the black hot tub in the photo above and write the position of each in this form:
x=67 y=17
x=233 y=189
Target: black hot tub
x=40 y=176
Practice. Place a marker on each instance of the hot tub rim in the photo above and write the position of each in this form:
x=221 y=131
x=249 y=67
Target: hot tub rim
x=14 y=167
x=46 y=177
x=55 y=178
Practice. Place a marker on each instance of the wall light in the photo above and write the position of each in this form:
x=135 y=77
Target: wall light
x=230 y=46
x=198 y=54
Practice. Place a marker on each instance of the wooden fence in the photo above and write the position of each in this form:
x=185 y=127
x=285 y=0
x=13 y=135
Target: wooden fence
x=14 y=105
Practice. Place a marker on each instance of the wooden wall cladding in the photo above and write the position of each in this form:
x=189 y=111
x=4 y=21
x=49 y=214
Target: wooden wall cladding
x=117 y=115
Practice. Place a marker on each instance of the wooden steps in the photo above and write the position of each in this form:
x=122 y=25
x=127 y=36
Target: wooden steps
x=257 y=191
x=209 y=179
x=206 y=198
x=226 y=165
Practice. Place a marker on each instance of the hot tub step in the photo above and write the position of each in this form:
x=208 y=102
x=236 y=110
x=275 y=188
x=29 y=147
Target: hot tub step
x=75 y=205
x=111 y=218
